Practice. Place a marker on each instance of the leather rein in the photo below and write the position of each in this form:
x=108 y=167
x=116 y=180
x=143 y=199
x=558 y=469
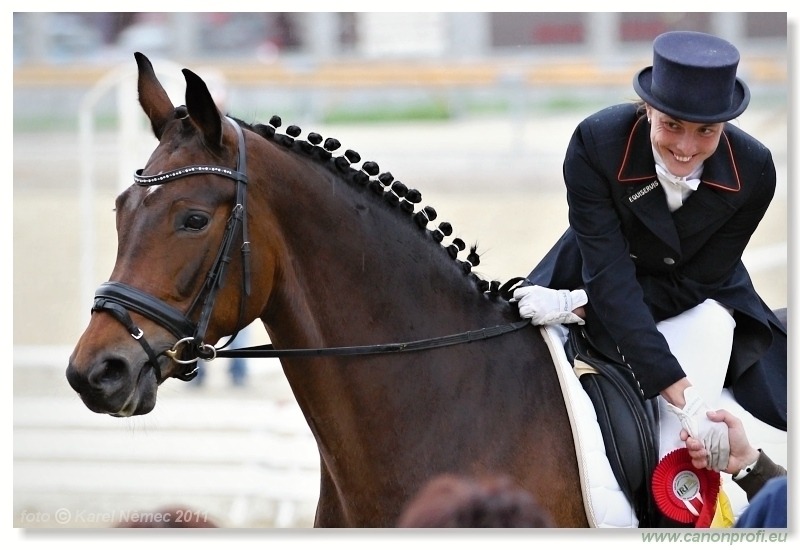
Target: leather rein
x=118 y=299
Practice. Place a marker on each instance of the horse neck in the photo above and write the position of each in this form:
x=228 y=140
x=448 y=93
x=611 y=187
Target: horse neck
x=352 y=270
x=356 y=270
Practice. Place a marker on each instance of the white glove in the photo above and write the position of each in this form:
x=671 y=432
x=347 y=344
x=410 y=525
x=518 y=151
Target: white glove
x=546 y=306
x=714 y=435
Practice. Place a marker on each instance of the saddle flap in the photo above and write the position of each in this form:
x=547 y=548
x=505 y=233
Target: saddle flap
x=627 y=422
x=605 y=503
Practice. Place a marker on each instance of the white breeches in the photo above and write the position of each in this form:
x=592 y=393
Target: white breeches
x=701 y=340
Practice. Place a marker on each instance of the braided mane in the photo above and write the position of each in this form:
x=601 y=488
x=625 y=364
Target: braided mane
x=383 y=185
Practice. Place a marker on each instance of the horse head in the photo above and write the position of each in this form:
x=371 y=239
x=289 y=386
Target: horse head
x=184 y=216
x=179 y=283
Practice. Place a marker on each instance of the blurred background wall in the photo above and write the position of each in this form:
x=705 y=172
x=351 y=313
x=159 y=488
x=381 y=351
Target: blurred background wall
x=87 y=37
x=322 y=64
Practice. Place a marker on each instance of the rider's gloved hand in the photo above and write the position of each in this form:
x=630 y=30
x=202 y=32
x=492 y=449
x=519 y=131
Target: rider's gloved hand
x=546 y=306
x=714 y=435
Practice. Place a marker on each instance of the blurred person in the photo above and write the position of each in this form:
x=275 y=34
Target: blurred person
x=768 y=507
x=237 y=370
x=450 y=501
x=238 y=366
x=664 y=195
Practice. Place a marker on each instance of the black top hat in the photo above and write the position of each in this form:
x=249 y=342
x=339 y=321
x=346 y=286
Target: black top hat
x=693 y=78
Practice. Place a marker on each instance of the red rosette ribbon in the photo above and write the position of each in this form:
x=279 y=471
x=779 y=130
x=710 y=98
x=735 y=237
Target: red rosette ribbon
x=684 y=493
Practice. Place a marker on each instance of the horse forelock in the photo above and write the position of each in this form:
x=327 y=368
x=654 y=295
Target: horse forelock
x=349 y=169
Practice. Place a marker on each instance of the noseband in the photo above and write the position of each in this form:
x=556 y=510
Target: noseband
x=119 y=299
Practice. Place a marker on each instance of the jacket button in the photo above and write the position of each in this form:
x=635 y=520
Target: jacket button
x=669 y=261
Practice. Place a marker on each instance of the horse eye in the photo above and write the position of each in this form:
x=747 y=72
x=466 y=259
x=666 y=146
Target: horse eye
x=195 y=222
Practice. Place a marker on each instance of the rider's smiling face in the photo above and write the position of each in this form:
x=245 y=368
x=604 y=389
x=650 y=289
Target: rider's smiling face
x=682 y=145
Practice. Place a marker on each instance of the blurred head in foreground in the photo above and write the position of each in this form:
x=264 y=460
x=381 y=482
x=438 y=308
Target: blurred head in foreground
x=494 y=501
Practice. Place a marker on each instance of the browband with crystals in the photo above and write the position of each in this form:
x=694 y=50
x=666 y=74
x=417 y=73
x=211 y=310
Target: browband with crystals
x=139 y=179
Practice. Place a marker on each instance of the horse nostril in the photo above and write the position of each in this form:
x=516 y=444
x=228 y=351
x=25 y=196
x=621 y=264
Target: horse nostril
x=108 y=373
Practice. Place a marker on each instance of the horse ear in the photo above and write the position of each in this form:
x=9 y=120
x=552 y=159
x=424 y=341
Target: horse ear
x=152 y=97
x=202 y=109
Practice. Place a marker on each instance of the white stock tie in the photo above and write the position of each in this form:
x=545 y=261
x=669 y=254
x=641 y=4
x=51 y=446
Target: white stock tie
x=677 y=189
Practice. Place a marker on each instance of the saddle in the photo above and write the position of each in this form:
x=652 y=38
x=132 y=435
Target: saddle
x=628 y=422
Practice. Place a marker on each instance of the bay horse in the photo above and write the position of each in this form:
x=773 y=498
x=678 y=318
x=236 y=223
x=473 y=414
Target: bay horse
x=231 y=221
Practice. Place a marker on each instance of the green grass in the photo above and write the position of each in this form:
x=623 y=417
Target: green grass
x=414 y=112
x=65 y=123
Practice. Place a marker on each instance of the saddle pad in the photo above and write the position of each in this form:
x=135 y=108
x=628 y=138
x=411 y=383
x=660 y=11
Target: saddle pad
x=605 y=503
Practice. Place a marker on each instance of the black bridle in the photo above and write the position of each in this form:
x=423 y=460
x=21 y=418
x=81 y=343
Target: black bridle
x=119 y=299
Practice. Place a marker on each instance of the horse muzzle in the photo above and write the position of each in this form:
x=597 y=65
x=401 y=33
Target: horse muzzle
x=114 y=384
